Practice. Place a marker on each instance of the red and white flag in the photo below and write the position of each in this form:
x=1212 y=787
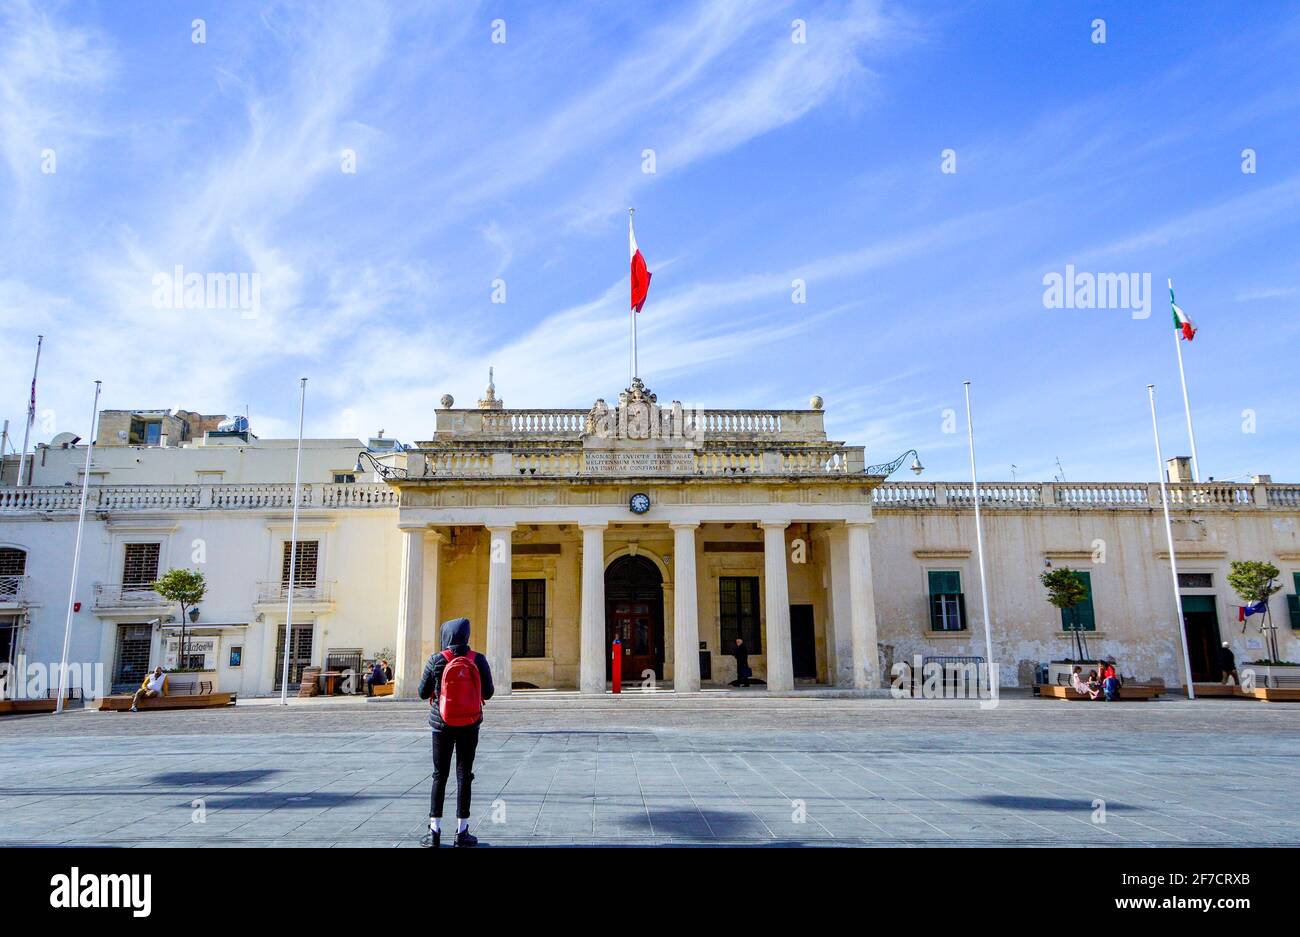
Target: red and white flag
x=640 y=275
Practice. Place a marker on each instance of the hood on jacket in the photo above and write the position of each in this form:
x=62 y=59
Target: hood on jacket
x=455 y=633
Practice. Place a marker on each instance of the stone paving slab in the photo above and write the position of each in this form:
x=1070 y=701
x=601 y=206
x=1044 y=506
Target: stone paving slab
x=702 y=771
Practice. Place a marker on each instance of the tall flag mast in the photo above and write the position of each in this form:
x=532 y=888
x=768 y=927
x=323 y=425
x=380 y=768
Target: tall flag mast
x=640 y=286
x=31 y=413
x=1184 y=331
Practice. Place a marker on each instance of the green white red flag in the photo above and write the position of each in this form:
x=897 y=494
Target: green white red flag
x=1181 y=321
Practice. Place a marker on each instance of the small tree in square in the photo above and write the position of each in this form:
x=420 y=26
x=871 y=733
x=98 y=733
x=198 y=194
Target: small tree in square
x=186 y=587
x=1255 y=581
x=1065 y=590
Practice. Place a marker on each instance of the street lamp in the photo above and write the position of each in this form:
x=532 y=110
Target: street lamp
x=385 y=471
x=885 y=469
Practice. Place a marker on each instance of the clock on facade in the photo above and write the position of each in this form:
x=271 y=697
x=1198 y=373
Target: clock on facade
x=639 y=503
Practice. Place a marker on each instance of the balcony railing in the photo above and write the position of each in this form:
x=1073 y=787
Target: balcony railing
x=275 y=592
x=1209 y=496
x=117 y=595
x=168 y=498
x=13 y=590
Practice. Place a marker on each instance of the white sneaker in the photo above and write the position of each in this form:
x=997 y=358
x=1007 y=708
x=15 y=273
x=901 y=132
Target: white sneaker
x=134 y=710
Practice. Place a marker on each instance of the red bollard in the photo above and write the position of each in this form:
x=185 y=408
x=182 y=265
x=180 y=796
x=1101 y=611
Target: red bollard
x=616 y=649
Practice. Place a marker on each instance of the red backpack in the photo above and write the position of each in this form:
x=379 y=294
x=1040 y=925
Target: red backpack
x=460 y=699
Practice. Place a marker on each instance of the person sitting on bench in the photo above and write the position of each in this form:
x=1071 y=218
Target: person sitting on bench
x=1094 y=685
x=1078 y=682
x=151 y=687
x=376 y=677
x=1110 y=682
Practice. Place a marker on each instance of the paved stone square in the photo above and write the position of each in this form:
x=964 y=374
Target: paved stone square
x=718 y=769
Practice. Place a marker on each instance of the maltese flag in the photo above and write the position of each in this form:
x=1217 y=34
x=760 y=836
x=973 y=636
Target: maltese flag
x=640 y=275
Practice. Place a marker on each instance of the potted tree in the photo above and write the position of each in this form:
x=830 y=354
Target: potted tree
x=1065 y=591
x=186 y=587
x=1255 y=581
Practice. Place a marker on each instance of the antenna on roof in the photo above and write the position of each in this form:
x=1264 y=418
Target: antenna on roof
x=1061 y=469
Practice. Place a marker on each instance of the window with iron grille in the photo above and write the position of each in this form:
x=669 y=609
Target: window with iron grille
x=13 y=561
x=528 y=618
x=738 y=611
x=947 y=601
x=304 y=565
x=140 y=565
x=1195 y=580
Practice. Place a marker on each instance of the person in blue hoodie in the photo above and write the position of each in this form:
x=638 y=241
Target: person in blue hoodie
x=446 y=739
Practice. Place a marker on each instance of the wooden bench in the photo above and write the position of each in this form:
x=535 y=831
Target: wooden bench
x=1230 y=690
x=45 y=705
x=1277 y=694
x=1129 y=692
x=122 y=702
x=385 y=689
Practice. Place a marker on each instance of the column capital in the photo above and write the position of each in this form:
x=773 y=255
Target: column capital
x=684 y=525
x=593 y=525
x=773 y=525
x=851 y=524
x=412 y=528
x=509 y=525
x=434 y=536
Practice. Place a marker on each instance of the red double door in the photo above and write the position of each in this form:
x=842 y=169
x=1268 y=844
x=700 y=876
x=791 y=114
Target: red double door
x=634 y=613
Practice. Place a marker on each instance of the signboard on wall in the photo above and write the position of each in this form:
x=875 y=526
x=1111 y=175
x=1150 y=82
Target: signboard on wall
x=201 y=651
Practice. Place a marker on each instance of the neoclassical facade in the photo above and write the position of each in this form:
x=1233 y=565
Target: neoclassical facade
x=652 y=522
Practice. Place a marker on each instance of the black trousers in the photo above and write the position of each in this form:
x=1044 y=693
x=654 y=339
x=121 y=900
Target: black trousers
x=464 y=741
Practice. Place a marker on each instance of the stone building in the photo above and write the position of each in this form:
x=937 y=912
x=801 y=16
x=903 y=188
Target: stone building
x=676 y=529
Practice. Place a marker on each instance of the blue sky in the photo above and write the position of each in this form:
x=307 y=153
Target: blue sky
x=774 y=161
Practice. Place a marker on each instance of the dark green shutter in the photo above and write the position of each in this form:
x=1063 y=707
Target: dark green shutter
x=945 y=582
x=1080 y=617
x=1293 y=602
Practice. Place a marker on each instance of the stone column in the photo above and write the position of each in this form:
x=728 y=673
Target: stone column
x=862 y=605
x=430 y=627
x=686 y=618
x=410 y=663
x=841 y=635
x=591 y=647
x=780 y=666
x=498 y=610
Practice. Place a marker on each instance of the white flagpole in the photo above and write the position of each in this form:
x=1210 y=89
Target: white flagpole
x=1169 y=537
x=631 y=239
x=1182 y=376
x=293 y=550
x=31 y=412
x=979 y=537
x=76 y=557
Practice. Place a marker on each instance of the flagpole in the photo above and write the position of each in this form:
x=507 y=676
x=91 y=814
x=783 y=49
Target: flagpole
x=76 y=557
x=979 y=536
x=632 y=311
x=1182 y=376
x=293 y=550
x=31 y=413
x=1169 y=538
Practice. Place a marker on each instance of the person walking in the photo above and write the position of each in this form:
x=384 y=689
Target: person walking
x=457 y=682
x=1228 y=664
x=741 y=652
